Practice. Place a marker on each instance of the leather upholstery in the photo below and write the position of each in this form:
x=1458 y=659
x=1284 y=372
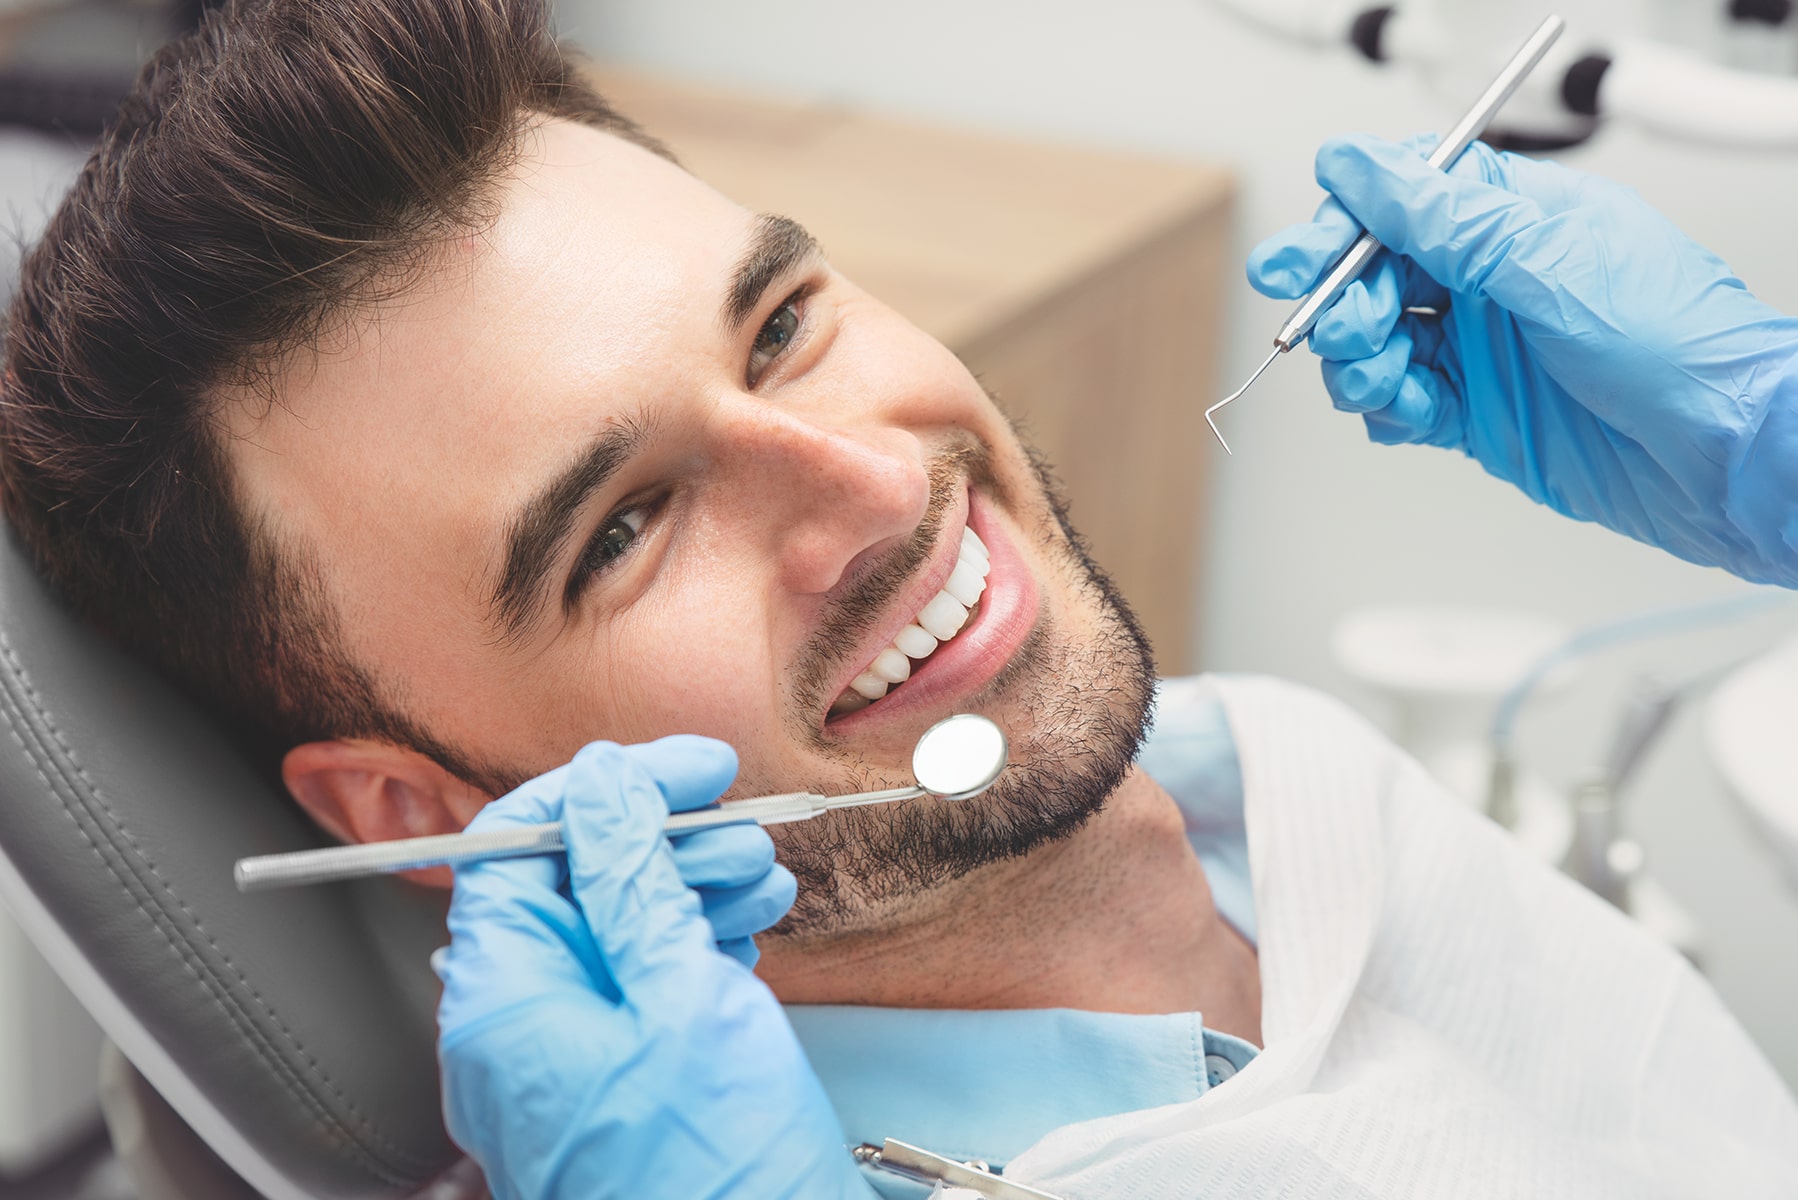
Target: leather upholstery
x=305 y=1017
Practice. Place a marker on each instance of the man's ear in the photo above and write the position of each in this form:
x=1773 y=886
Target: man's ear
x=360 y=790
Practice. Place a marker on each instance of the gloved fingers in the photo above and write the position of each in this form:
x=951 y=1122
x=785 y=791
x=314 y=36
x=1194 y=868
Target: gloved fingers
x=1423 y=410
x=1360 y=385
x=1289 y=264
x=1456 y=228
x=725 y=856
x=1362 y=319
x=743 y=949
x=622 y=873
x=692 y=771
x=741 y=911
x=538 y=802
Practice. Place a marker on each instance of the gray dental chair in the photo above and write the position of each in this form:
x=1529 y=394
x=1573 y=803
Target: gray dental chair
x=292 y=1031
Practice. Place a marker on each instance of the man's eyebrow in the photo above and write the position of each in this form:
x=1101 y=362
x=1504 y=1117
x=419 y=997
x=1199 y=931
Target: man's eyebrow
x=778 y=246
x=535 y=536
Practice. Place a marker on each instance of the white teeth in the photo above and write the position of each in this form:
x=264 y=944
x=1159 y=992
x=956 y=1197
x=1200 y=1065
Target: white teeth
x=891 y=665
x=913 y=642
x=936 y=623
x=966 y=583
x=970 y=542
x=943 y=617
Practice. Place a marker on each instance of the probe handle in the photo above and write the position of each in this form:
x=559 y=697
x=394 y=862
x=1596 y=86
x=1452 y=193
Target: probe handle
x=1349 y=267
x=383 y=858
x=330 y=863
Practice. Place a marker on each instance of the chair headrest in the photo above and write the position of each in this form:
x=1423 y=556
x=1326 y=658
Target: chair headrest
x=294 y=1030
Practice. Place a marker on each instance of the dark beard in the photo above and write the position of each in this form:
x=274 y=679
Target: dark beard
x=1087 y=709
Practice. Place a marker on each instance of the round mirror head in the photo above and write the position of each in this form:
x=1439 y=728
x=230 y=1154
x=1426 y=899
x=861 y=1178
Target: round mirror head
x=959 y=756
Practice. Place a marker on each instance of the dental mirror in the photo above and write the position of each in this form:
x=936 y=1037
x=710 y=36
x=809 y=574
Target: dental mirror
x=957 y=758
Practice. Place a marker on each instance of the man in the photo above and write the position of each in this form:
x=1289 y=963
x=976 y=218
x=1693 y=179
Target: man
x=422 y=417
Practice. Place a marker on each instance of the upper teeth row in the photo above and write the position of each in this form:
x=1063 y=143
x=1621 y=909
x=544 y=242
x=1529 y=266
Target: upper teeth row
x=936 y=622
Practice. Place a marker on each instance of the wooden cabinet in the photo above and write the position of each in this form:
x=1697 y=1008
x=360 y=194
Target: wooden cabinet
x=1081 y=286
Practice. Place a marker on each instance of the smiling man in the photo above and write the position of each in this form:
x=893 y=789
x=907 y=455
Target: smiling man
x=428 y=422
x=659 y=468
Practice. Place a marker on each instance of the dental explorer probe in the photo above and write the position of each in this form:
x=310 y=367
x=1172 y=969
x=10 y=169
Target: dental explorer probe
x=1348 y=268
x=957 y=758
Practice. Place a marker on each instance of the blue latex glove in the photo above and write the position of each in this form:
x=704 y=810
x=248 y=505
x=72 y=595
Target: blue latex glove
x=1587 y=351
x=593 y=1040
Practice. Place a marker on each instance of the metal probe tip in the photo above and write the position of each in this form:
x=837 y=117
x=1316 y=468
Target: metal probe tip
x=1218 y=433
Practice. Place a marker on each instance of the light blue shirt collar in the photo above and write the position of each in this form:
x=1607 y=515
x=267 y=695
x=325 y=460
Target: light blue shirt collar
x=987 y=1085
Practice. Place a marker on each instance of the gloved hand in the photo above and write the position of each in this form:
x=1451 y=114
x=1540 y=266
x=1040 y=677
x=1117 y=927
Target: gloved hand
x=593 y=1040
x=1586 y=350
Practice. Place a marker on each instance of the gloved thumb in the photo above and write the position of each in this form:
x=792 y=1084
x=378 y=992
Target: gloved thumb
x=645 y=921
x=691 y=771
x=1457 y=229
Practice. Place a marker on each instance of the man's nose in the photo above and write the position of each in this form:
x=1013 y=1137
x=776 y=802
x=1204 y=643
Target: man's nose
x=828 y=488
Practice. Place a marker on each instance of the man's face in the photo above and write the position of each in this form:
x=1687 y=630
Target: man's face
x=634 y=461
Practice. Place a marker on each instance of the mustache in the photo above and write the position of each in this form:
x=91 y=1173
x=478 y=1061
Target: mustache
x=866 y=597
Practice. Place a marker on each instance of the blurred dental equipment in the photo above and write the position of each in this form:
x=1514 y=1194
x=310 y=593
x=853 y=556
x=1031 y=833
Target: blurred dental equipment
x=957 y=758
x=1457 y=681
x=1716 y=73
x=1355 y=260
x=1599 y=854
x=1500 y=802
x=1602 y=856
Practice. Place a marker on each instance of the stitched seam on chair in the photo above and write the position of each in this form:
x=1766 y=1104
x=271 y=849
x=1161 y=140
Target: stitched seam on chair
x=204 y=973
x=191 y=962
x=132 y=887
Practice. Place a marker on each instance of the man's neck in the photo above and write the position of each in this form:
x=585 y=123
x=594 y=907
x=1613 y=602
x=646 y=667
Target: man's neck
x=1117 y=918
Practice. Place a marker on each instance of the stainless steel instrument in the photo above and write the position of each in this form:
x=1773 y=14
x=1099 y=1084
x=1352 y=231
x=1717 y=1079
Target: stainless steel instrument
x=957 y=758
x=1348 y=268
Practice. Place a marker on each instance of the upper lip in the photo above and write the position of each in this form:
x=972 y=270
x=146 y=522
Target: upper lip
x=910 y=599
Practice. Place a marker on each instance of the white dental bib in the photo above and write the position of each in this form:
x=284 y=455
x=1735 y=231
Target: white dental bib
x=1444 y=1016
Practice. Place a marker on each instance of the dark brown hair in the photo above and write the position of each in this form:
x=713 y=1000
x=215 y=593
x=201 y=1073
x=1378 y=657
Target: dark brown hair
x=284 y=163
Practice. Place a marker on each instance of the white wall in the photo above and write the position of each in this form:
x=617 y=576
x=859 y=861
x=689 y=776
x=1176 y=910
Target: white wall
x=1309 y=519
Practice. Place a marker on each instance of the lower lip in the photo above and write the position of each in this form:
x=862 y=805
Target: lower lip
x=970 y=660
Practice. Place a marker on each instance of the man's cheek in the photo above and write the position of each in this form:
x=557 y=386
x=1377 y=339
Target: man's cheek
x=712 y=688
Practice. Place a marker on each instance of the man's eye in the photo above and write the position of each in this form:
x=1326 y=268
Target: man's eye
x=775 y=335
x=611 y=543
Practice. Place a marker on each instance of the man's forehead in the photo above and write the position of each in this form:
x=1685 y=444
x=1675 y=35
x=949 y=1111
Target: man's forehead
x=579 y=179
x=599 y=255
